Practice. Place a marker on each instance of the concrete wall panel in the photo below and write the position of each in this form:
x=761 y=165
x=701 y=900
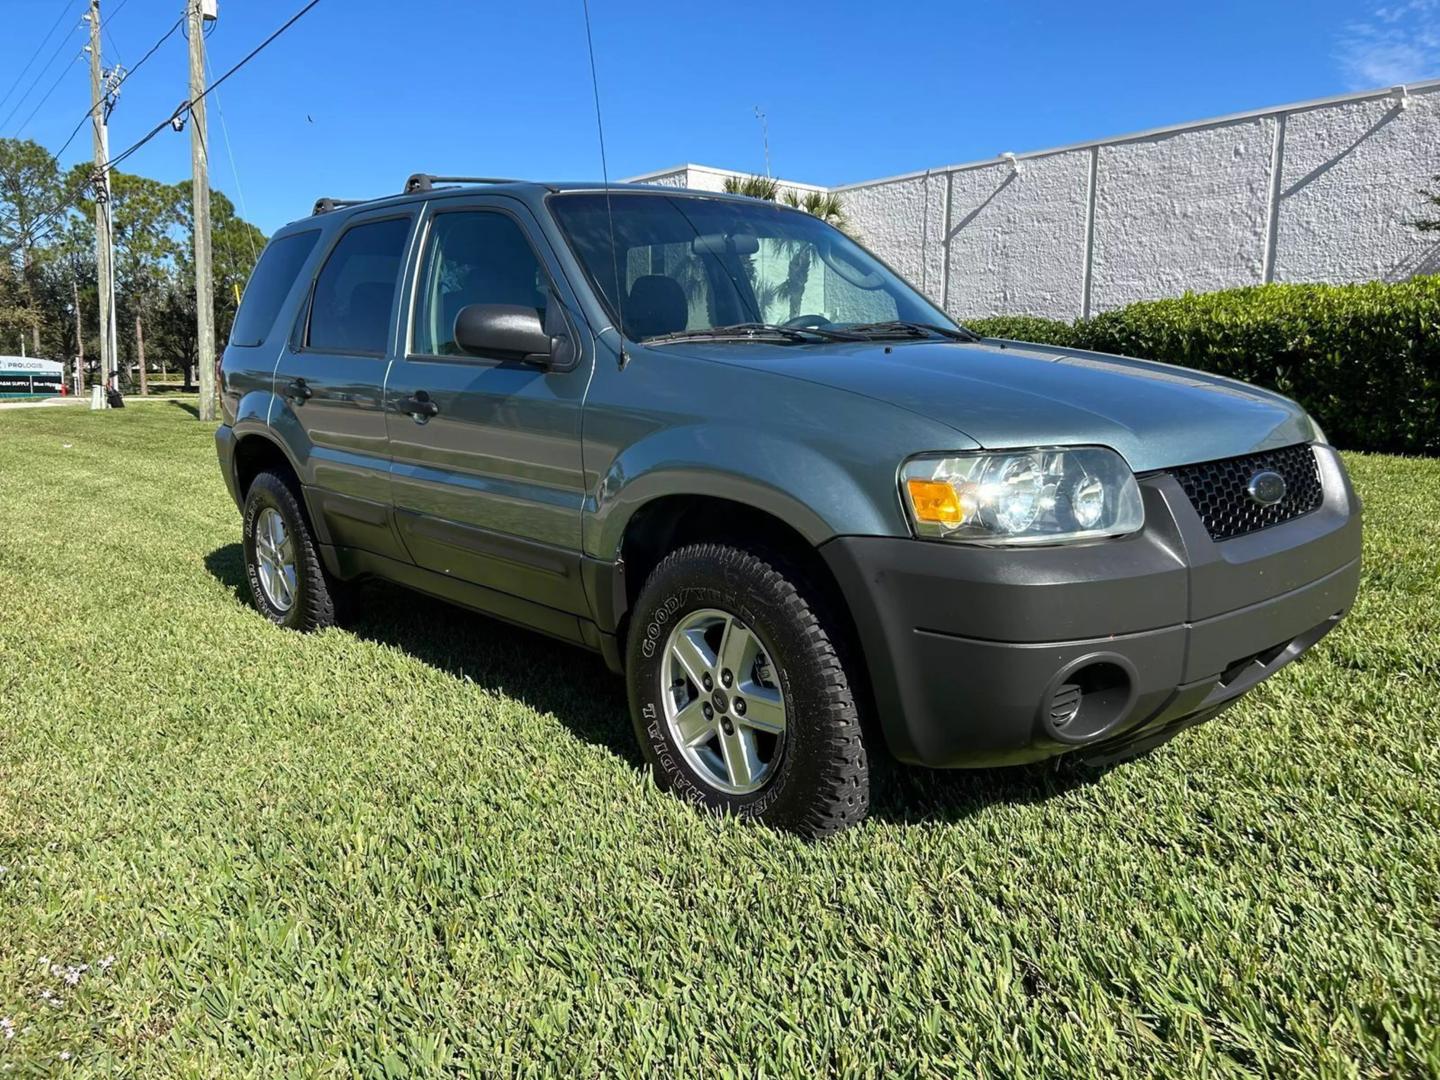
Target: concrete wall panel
x=1017 y=240
x=1349 y=191
x=1186 y=211
x=903 y=222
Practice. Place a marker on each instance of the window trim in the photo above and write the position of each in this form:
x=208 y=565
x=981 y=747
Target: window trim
x=303 y=344
x=407 y=350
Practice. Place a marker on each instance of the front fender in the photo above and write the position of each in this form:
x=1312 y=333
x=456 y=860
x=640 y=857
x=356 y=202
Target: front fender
x=816 y=495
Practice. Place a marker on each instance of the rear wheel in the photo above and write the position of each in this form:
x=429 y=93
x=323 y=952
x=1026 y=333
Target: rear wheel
x=739 y=698
x=282 y=562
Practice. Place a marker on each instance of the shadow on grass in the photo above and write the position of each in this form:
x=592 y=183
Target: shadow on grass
x=578 y=689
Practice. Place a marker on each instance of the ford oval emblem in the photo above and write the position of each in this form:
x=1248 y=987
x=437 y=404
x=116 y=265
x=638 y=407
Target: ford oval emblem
x=1266 y=487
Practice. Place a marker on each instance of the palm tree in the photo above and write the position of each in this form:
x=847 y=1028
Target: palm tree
x=757 y=187
x=824 y=205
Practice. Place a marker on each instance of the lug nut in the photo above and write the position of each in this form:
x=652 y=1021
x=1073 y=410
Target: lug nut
x=726 y=677
x=708 y=711
x=739 y=706
x=708 y=682
x=728 y=726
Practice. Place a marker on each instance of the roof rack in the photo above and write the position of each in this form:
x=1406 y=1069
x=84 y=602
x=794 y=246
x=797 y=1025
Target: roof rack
x=424 y=181
x=324 y=206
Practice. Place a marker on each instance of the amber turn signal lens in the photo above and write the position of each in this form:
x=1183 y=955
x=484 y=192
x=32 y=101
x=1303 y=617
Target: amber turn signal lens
x=935 y=500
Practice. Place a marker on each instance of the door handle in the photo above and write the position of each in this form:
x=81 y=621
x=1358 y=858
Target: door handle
x=419 y=406
x=297 y=391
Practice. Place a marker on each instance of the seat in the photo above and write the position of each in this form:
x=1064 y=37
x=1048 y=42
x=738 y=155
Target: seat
x=656 y=305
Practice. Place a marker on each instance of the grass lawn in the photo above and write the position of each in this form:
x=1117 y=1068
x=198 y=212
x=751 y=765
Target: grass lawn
x=424 y=842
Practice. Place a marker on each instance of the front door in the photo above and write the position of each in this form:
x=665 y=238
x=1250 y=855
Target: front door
x=486 y=472
x=331 y=378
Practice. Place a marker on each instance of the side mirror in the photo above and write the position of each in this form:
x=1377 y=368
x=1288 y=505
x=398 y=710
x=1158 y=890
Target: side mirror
x=505 y=330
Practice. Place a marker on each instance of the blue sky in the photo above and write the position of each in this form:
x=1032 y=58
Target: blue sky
x=360 y=93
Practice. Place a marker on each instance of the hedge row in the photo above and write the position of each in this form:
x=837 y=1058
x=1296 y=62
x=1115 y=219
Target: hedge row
x=1363 y=359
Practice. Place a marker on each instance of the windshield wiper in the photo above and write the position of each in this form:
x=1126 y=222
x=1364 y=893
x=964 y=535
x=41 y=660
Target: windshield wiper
x=753 y=331
x=901 y=328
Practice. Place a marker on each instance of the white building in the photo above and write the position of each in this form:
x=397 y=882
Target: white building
x=1323 y=190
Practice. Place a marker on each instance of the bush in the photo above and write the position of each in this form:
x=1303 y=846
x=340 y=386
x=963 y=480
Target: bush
x=1364 y=360
x=1026 y=328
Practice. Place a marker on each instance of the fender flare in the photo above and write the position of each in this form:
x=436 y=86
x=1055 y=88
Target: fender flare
x=761 y=470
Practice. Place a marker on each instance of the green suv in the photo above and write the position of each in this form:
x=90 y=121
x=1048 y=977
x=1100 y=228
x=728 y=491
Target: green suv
x=803 y=512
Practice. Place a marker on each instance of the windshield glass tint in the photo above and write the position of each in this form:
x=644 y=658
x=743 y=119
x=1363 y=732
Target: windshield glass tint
x=689 y=263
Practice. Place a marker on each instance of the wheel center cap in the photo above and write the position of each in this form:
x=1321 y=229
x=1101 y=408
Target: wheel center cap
x=719 y=700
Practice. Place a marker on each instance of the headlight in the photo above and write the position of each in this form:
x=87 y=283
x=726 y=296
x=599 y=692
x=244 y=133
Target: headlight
x=1045 y=496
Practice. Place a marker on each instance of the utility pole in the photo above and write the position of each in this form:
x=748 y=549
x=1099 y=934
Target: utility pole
x=200 y=188
x=79 y=373
x=101 y=140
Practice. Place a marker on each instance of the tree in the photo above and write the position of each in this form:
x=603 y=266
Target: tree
x=1432 y=200
x=68 y=288
x=30 y=201
x=821 y=204
x=825 y=205
x=48 y=289
x=235 y=245
x=756 y=187
x=145 y=215
x=17 y=319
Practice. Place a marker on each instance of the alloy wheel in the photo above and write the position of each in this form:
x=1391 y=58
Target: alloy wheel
x=723 y=702
x=275 y=559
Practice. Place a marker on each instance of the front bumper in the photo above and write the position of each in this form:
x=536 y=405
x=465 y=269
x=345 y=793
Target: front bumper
x=988 y=656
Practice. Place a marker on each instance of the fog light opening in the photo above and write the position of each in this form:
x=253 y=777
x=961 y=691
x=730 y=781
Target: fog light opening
x=1088 y=702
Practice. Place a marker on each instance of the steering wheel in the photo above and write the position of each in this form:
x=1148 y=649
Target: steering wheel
x=807 y=322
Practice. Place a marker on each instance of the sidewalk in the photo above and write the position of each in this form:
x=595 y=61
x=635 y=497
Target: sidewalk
x=60 y=402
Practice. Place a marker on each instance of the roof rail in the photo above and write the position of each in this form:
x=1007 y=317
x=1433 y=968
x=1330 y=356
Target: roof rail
x=324 y=206
x=424 y=181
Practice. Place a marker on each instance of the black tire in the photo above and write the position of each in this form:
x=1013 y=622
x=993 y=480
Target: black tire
x=820 y=783
x=313 y=607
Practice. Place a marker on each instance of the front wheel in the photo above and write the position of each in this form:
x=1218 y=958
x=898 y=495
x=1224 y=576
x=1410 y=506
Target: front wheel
x=739 y=697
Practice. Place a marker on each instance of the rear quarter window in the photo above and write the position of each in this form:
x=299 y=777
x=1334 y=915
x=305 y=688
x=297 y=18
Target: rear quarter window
x=269 y=285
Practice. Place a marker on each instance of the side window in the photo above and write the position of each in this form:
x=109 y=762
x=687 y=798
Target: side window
x=473 y=257
x=356 y=288
x=269 y=284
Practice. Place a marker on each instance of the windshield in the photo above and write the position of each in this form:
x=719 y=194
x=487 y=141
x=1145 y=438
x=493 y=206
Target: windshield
x=691 y=264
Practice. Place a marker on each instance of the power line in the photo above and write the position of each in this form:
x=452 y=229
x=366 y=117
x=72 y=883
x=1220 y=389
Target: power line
x=36 y=82
x=138 y=65
x=235 y=172
x=180 y=111
x=64 y=8
x=53 y=86
x=185 y=106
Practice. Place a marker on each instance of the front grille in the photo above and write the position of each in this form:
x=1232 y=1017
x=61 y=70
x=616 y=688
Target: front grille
x=1217 y=490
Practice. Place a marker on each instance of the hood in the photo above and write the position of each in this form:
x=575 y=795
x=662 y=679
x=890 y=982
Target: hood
x=1155 y=415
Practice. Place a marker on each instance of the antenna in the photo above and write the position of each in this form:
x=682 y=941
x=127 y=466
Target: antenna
x=765 y=136
x=605 y=177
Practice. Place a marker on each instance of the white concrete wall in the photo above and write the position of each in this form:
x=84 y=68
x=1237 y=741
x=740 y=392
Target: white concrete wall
x=705 y=178
x=1314 y=191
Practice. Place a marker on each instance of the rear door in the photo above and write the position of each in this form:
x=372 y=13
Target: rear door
x=489 y=487
x=331 y=378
